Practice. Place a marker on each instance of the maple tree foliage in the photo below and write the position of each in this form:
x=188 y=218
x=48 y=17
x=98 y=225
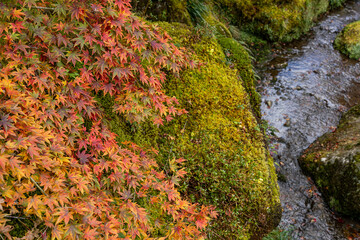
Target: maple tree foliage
x=54 y=57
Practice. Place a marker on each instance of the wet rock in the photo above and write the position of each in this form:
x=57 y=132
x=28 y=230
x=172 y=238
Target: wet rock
x=269 y=103
x=287 y=122
x=281 y=65
x=333 y=161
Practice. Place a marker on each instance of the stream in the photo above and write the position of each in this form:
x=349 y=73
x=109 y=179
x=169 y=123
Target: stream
x=306 y=87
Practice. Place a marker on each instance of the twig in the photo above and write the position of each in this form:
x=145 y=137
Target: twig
x=44 y=8
x=183 y=130
x=15 y=217
x=38 y=186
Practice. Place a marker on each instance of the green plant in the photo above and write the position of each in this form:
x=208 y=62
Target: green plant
x=279 y=234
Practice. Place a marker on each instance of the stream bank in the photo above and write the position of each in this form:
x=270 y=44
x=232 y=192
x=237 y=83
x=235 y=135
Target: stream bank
x=306 y=87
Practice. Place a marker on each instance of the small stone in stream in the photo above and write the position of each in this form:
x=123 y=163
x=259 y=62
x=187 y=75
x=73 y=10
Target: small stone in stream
x=269 y=103
x=281 y=65
x=287 y=123
x=299 y=88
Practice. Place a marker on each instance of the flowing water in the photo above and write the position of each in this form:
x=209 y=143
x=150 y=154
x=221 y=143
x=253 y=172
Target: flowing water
x=306 y=87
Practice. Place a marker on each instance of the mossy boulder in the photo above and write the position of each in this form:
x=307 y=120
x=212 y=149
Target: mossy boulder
x=228 y=164
x=278 y=20
x=333 y=161
x=239 y=59
x=348 y=41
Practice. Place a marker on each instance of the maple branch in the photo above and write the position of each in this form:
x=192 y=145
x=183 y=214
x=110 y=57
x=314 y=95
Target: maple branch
x=43 y=8
x=38 y=186
x=15 y=217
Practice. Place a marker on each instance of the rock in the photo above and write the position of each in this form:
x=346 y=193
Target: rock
x=333 y=162
x=287 y=122
x=269 y=103
x=348 y=41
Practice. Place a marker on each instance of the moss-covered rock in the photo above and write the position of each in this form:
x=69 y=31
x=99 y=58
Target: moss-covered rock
x=348 y=41
x=227 y=163
x=239 y=57
x=334 y=163
x=278 y=20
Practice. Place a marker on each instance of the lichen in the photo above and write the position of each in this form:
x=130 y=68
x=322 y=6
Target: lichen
x=348 y=41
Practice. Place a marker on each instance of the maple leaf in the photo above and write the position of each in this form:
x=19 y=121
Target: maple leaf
x=73 y=231
x=14 y=162
x=90 y=233
x=6 y=122
x=57 y=232
x=17 y=13
x=79 y=41
x=64 y=214
x=201 y=223
x=5 y=229
x=73 y=57
x=83 y=157
x=4 y=158
x=158 y=121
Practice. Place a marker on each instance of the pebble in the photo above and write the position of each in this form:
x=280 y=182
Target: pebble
x=269 y=103
x=287 y=123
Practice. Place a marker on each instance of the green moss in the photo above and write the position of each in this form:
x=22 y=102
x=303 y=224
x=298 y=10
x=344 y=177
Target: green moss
x=226 y=159
x=21 y=225
x=163 y=10
x=237 y=55
x=348 y=41
x=278 y=20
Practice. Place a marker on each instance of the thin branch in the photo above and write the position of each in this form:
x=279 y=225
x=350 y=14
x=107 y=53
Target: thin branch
x=43 y=8
x=15 y=217
x=38 y=186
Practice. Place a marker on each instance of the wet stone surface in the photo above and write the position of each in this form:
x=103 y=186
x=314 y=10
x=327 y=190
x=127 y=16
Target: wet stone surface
x=306 y=87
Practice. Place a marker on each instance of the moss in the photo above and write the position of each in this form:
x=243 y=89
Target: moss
x=23 y=225
x=163 y=10
x=278 y=20
x=226 y=158
x=348 y=41
x=237 y=55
